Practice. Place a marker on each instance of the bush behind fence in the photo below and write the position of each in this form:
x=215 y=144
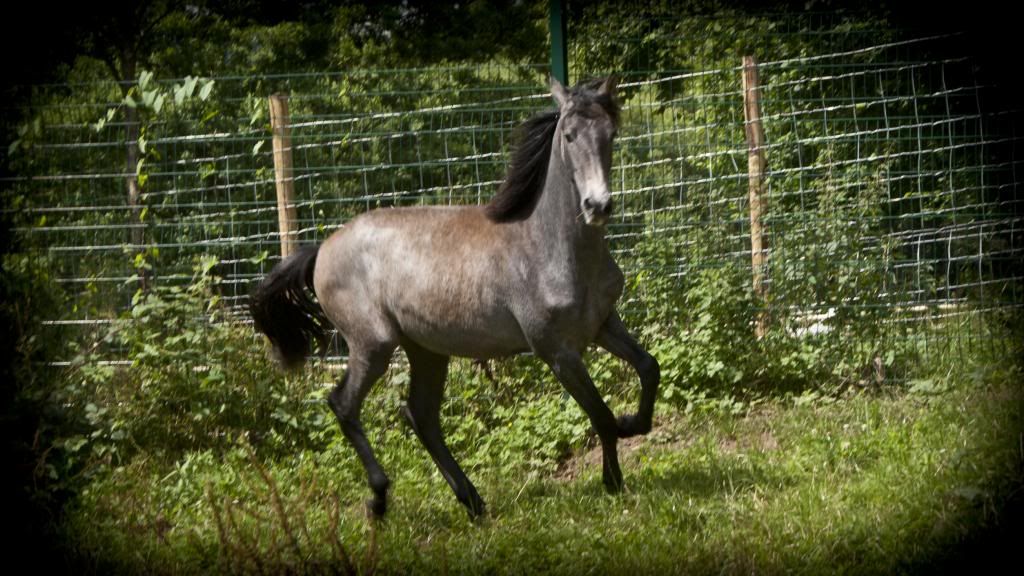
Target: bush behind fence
x=891 y=218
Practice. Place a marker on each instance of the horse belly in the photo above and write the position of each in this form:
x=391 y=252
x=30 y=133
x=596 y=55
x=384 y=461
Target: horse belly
x=466 y=332
x=464 y=322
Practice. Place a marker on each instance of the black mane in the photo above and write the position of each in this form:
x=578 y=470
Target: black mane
x=526 y=173
x=528 y=169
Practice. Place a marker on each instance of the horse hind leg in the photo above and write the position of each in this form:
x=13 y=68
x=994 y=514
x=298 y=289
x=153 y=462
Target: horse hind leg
x=423 y=411
x=616 y=339
x=346 y=399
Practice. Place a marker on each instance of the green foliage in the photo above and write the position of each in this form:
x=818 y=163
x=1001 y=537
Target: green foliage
x=419 y=112
x=417 y=118
x=699 y=322
x=150 y=96
x=758 y=490
x=32 y=415
x=714 y=346
x=28 y=291
x=198 y=379
x=532 y=435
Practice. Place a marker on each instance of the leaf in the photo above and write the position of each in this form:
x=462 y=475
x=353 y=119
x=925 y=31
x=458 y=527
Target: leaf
x=158 y=104
x=209 y=116
x=204 y=93
x=215 y=375
x=261 y=257
x=256 y=148
x=212 y=304
x=144 y=79
x=185 y=90
x=206 y=263
x=75 y=443
x=102 y=123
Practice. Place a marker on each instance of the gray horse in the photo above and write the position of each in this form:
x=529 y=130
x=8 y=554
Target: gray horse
x=528 y=272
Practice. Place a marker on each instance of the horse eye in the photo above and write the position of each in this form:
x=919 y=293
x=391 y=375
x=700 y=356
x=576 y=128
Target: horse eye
x=569 y=137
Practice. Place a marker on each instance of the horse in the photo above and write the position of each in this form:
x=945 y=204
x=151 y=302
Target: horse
x=530 y=271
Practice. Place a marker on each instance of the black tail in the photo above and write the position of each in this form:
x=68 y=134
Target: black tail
x=283 y=308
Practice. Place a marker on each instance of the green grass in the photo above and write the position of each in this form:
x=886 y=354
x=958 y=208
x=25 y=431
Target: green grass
x=870 y=482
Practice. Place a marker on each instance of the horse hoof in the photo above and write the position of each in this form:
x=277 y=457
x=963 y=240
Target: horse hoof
x=613 y=486
x=630 y=425
x=376 y=508
x=477 y=513
x=612 y=479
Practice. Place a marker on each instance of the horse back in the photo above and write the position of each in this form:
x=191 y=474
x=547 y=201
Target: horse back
x=444 y=277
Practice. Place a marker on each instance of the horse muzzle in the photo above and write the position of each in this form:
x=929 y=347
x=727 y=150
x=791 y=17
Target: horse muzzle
x=597 y=212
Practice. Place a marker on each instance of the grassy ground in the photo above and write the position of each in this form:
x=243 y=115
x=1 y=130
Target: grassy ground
x=871 y=482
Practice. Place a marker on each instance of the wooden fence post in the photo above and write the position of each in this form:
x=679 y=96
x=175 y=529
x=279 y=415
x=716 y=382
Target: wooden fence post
x=283 y=179
x=755 y=170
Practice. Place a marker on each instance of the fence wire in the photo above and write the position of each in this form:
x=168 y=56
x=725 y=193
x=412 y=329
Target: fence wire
x=892 y=194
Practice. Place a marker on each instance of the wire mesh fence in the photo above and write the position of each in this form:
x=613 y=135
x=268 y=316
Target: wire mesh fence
x=437 y=136
x=893 y=203
x=891 y=225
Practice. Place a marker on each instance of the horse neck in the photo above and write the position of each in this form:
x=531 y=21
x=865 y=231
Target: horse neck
x=556 y=225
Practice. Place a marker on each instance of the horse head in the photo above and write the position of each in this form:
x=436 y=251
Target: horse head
x=588 y=119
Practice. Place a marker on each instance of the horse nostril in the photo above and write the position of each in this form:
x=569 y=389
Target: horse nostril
x=588 y=204
x=608 y=208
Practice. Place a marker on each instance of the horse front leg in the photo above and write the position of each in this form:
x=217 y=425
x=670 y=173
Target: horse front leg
x=616 y=339
x=569 y=368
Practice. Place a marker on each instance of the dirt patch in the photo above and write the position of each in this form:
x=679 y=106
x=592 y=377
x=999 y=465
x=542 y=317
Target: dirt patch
x=767 y=441
x=728 y=444
x=763 y=441
x=590 y=457
x=670 y=434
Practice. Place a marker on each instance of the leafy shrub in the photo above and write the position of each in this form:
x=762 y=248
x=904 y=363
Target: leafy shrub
x=198 y=378
x=30 y=416
x=715 y=342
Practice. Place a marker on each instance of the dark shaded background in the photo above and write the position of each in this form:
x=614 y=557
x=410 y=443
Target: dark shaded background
x=42 y=39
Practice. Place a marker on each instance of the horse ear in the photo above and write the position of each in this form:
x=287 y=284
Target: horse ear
x=559 y=93
x=609 y=85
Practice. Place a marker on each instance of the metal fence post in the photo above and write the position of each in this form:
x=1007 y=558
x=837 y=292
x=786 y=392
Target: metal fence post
x=559 y=48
